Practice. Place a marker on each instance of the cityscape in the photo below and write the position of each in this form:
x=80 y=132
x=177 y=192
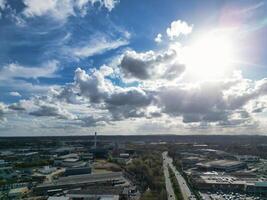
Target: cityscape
x=129 y=167
x=133 y=100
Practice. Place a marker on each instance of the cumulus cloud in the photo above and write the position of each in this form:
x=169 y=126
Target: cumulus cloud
x=158 y=38
x=43 y=106
x=257 y=106
x=16 y=106
x=62 y=9
x=141 y=86
x=2 y=4
x=93 y=100
x=194 y=104
x=207 y=102
x=93 y=86
x=23 y=105
x=67 y=94
x=224 y=102
x=128 y=103
x=92 y=121
x=2 y=112
x=52 y=110
x=109 y=4
x=15 y=94
x=178 y=28
x=151 y=65
x=120 y=102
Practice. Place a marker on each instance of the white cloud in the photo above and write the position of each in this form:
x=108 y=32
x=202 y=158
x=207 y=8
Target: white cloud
x=95 y=47
x=93 y=100
x=93 y=86
x=50 y=110
x=26 y=87
x=42 y=107
x=62 y=9
x=58 y=9
x=3 y=110
x=14 y=70
x=15 y=77
x=106 y=70
x=158 y=38
x=213 y=103
x=2 y=4
x=101 y=94
x=15 y=94
x=149 y=93
x=2 y=7
x=177 y=28
x=109 y=4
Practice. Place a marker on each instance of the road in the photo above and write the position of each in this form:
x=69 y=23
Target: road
x=169 y=188
x=186 y=192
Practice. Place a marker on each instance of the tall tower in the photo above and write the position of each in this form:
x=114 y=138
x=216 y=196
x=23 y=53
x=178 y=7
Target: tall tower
x=95 y=140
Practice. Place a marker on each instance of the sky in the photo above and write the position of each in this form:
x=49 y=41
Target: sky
x=73 y=67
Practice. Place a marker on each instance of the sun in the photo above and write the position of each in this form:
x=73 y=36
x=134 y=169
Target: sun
x=210 y=56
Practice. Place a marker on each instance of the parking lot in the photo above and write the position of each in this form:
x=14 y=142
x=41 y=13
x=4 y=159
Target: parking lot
x=232 y=196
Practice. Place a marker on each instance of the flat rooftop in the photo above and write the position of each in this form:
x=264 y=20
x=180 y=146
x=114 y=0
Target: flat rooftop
x=221 y=163
x=222 y=180
x=103 y=190
x=85 y=178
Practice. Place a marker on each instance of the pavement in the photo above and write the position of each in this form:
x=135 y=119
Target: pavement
x=169 y=188
x=216 y=196
x=186 y=192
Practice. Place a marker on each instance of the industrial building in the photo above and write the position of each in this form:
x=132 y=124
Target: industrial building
x=222 y=165
x=258 y=188
x=7 y=173
x=78 y=171
x=191 y=161
x=79 y=196
x=248 y=158
x=227 y=183
x=18 y=193
x=77 y=181
x=219 y=182
x=104 y=193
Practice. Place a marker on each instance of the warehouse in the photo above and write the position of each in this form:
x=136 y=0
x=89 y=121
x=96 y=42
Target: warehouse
x=70 y=182
x=217 y=182
x=222 y=165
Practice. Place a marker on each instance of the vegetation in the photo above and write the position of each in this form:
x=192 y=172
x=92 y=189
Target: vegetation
x=149 y=195
x=175 y=185
x=148 y=172
x=37 y=163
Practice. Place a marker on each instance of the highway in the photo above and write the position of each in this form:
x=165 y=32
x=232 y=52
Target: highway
x=169 y=188
x=186 y=192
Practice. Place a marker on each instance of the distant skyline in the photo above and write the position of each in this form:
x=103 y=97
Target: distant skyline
x=73 y=67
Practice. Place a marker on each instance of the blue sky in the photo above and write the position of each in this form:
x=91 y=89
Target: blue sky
x=76 y=66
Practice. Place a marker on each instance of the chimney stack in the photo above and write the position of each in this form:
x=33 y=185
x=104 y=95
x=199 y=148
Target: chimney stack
x=95 y=140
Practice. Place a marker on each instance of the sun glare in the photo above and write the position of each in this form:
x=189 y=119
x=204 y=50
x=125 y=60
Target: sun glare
x=210 y=56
